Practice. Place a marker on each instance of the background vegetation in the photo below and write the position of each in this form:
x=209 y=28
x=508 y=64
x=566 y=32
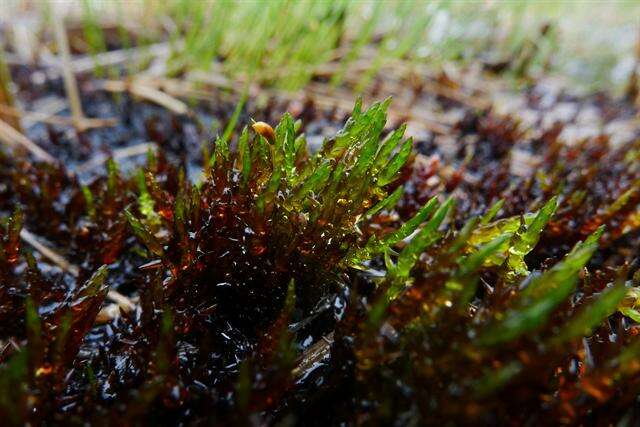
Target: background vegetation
x=284 y=43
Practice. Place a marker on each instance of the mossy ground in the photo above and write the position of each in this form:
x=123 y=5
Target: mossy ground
x=324 y=265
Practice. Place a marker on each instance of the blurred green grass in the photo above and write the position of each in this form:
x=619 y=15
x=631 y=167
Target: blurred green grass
x=284 y=43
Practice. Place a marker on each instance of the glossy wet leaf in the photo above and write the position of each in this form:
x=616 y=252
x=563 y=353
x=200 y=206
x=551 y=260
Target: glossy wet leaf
x=144 y=234
x=593 y=314
x=426 y=236
x=537 y=302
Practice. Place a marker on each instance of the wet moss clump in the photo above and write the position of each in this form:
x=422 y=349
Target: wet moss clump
x=342 y=286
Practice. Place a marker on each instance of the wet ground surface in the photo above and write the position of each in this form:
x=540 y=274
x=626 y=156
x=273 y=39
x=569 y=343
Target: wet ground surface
x=479 y=152
x=536 y=109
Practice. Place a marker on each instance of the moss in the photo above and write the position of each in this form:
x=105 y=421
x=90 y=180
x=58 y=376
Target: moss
x=287 y=282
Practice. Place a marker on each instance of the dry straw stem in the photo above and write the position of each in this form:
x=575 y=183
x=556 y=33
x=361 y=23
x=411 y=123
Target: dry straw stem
x=70 y=83
x=37 y=116
x=48 y=253
x=322 y=95
x=147 y=91
x=6 y=97
x=106 y=313
x=13 y=138
x=326 y=97
x=420 y=119
x=87 y=63
x=119 y=154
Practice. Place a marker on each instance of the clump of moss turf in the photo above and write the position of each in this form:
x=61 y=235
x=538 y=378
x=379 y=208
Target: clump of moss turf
x=322 y=288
